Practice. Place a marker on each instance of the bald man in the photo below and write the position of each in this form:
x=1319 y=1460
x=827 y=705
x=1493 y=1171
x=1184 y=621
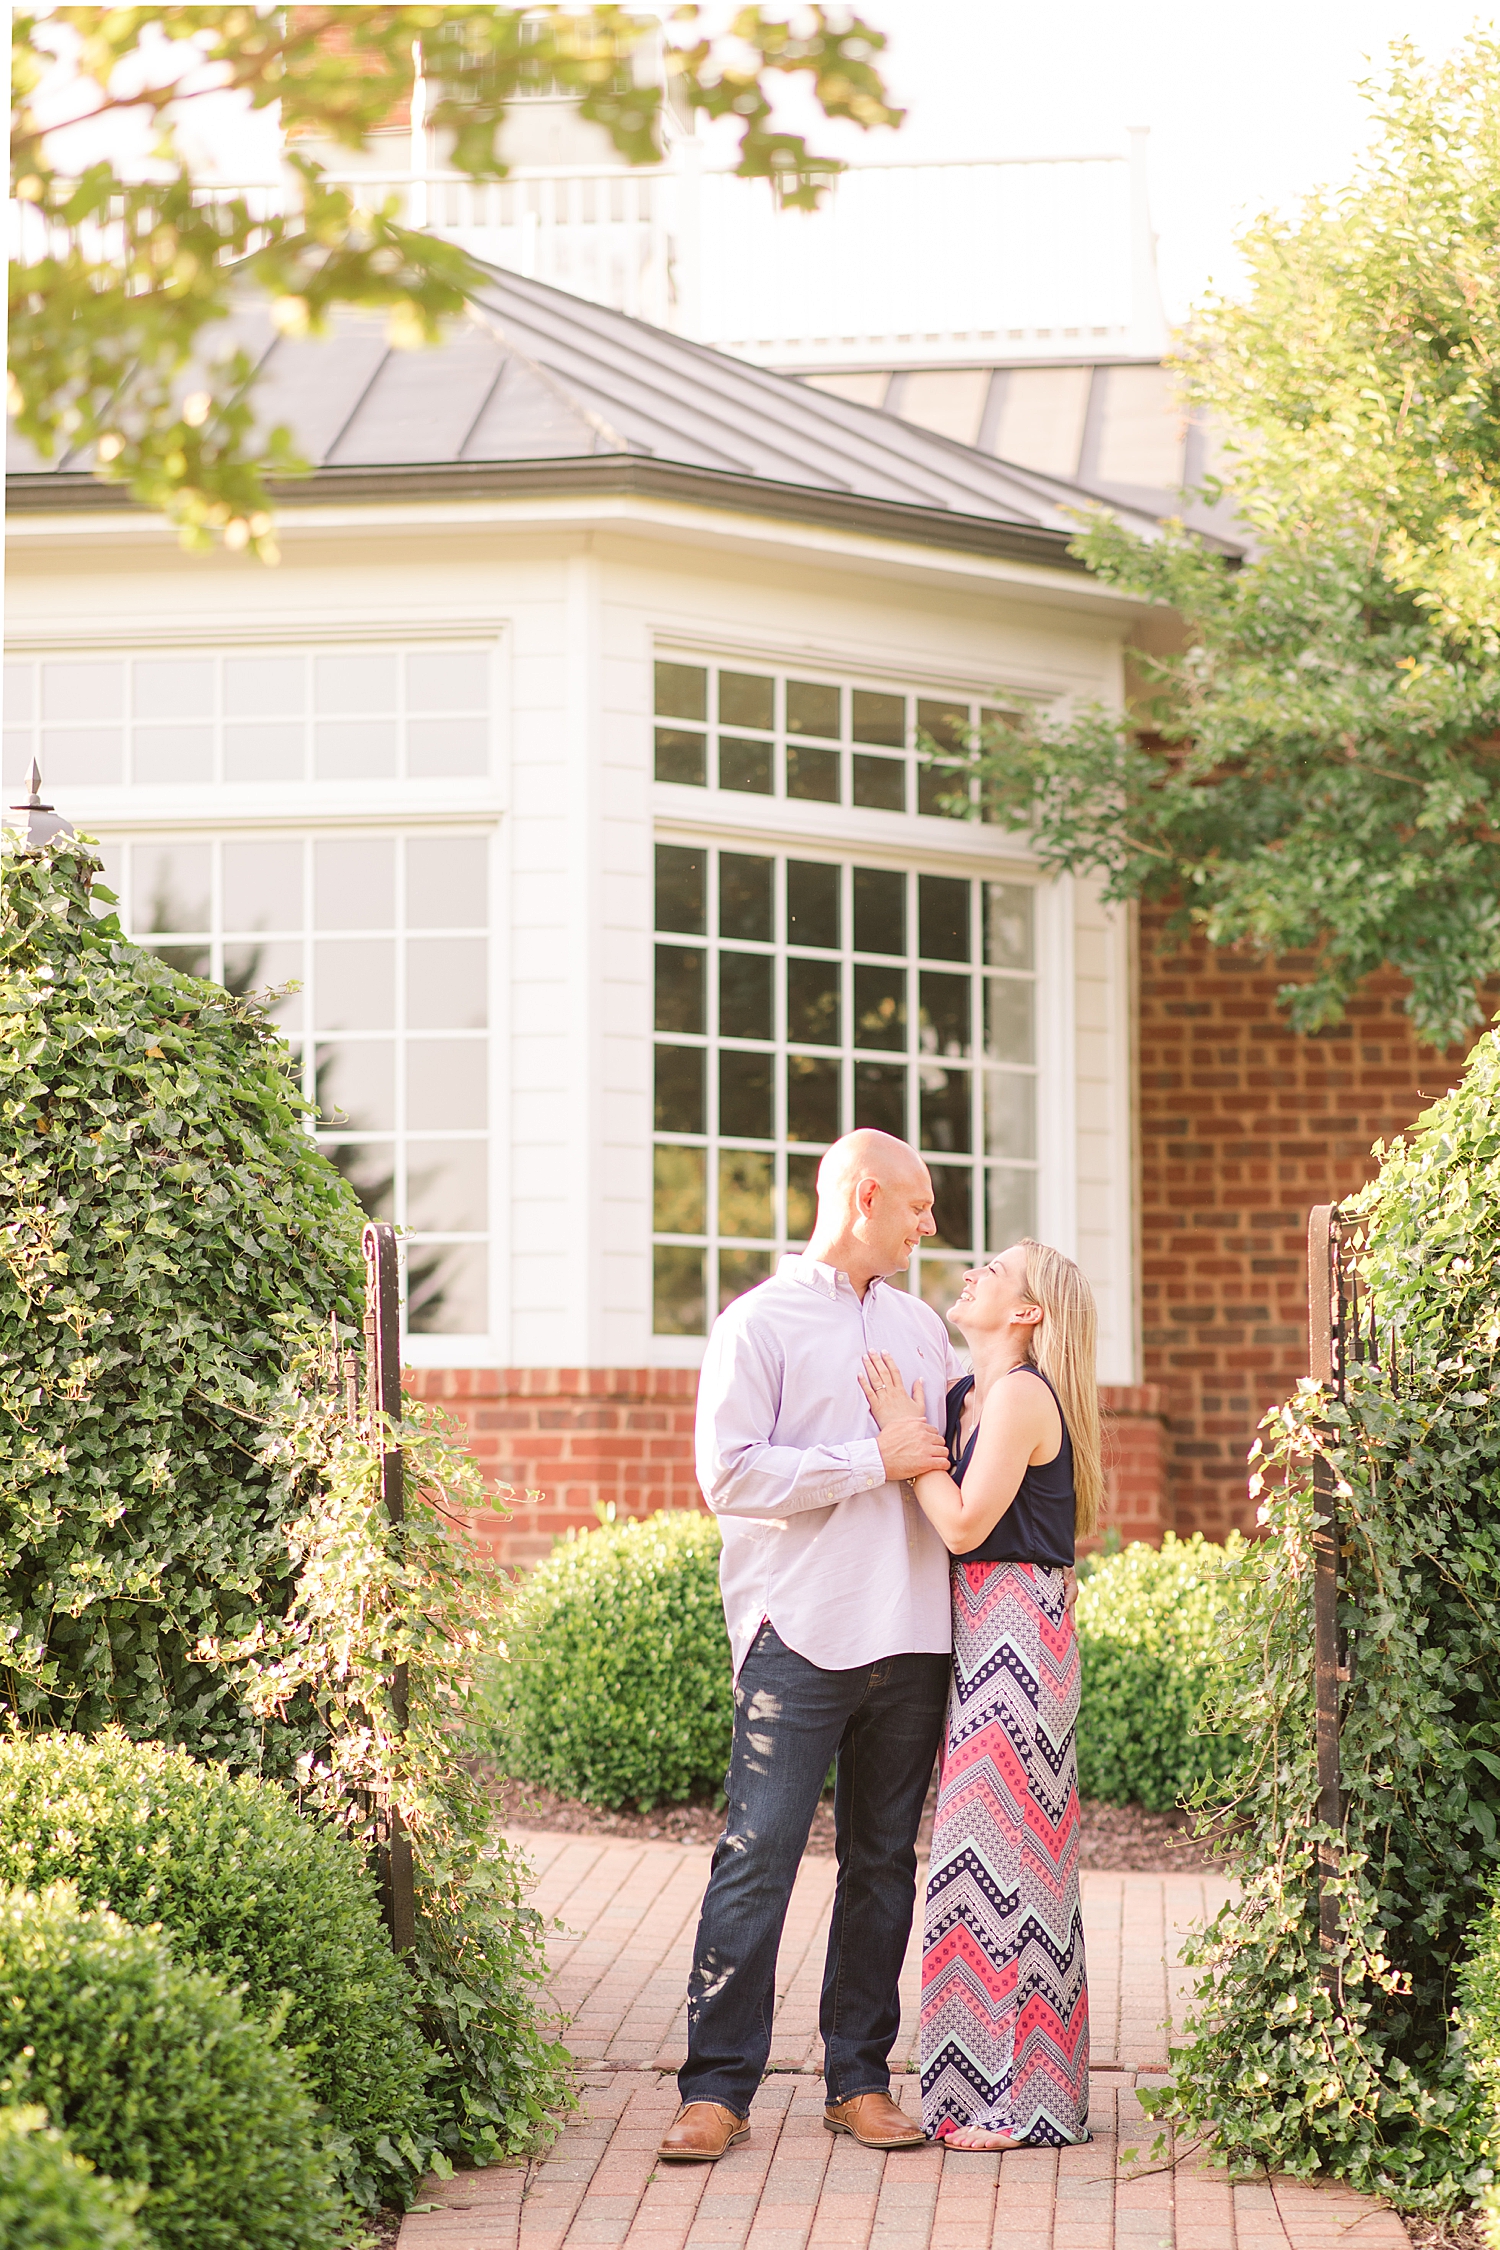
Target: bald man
x=836 y=1596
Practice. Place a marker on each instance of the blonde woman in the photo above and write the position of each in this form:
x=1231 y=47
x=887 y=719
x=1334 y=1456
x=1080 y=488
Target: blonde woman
x=1005 y=2009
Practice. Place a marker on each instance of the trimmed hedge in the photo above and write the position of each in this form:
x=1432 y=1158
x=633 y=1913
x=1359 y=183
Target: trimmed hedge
x=246 y=1887
x=51 y=2199
x=619 y=1687
x=1479 y=2017
x=155 y=2073
x=1150 y=1627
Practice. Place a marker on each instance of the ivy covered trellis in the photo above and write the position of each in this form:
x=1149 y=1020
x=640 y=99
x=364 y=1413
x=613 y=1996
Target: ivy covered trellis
x=1347 y=2057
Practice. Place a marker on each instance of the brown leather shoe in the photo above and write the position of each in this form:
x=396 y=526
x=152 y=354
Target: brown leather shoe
x=875 y=2122
x=701 y=2132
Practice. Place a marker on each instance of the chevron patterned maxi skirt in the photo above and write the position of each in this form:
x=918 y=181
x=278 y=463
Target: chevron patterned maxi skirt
x=1005 y=2001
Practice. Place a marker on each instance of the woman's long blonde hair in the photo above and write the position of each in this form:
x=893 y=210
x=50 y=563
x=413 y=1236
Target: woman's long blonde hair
x=1063 y=1344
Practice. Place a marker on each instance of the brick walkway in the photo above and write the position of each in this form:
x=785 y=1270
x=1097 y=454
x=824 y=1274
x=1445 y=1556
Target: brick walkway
x=620 y=1966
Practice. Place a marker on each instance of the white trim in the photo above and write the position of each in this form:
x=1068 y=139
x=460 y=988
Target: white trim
x=327 y=630
x=851 y=663
x=899 y=838
x=1057 y=1068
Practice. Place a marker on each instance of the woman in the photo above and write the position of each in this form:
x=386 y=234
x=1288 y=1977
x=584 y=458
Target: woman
x=1005 y=2042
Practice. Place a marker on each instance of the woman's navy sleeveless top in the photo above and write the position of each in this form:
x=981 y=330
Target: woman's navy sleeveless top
x=1037 y=1527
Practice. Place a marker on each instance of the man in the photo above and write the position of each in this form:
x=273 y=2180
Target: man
x=836 y=1597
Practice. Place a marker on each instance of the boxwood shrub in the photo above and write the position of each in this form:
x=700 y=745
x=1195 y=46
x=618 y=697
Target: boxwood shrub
x=273 y=1903
x=51 y=2199
x=619 y=1687
x=1150 y=1628
x=157 y=2076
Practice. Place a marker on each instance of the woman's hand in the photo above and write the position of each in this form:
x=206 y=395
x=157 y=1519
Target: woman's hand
x=889 y=1399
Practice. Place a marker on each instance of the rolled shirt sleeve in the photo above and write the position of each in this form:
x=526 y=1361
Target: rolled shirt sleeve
x=740 y=1471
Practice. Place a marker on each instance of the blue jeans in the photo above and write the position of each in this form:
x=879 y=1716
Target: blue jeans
x=883 y=1721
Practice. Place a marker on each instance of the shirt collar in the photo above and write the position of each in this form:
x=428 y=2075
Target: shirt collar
x=829 y=1281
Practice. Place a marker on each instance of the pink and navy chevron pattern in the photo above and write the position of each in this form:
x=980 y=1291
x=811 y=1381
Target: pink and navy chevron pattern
x=1005 y=2000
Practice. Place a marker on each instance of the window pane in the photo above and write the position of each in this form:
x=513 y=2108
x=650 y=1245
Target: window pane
x=1012 y=1208
x=812 y=1002
x=746 y=766
x=20 y=694
x=264 y=687
x=370 y=1169
x=173 y=887
x=801 y=1196
x=745 y=897
x=356 y=1084
x=812 y=773
x=365 y=683
x=812 y=1098
x=257 y=967
x=263 y=753
x=680 y=1205
x=679 y=988
x=679 y=1089
x=447 y=1288
x=680 y=758
x=945 y=1110
x=880 y=783
x=879 y=910
x=681 y=691
x=15 y=761
x=354 y=882
x=943 y=913
x=880 y=718
x=879 y=1006
x=677 y=1297
x=745 y=996
x=680 y=890
x=1009 y=1113
x=745 y=1088
x=262 y=886
x=354 y=750
x=447 y=1186
x=438 y=749
x=946 y=723
x=188 y=960
x=1008 y=917
x=83 y=691
x=450 y=679
x=812 y=903
x=746 y=700
x=447 y=984
x=445 y=882
x=746 y=1178
x=184 y=754
x=355 y=984
x=944 y=1020
x=77 y=757
x=1009 y=1010
x=174 y=689
x=936 y=785
x=880 y=1097
x=812 y=707
x=941 y=1283
x=953 y=1206
x=740 y=1270
x=447 y=1084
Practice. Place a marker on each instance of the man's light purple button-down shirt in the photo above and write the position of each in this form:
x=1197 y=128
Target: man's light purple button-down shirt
x=843 y=1562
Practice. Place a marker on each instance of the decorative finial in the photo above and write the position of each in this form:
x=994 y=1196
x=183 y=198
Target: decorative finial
x=42 y=823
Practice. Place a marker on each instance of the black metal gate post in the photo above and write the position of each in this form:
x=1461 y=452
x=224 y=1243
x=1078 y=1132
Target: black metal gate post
x=1325 y=1364
x=383 y=1360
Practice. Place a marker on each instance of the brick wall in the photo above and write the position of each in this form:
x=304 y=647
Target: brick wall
x=568 y=1439
x=1243 y=1127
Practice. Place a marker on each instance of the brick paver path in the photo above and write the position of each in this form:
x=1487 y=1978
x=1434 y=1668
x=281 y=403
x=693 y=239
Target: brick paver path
x=620 y=1966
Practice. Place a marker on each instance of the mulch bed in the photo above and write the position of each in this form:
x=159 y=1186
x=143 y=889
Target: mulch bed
x=1461 y=2230
x=1119 y=1837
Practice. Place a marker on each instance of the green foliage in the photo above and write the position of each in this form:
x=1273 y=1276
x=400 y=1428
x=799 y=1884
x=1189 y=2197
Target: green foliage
x=1366 y=2080
x=156 y=2075
x=619 y=1687
x=278 y=1906
x=1479 y=2022
x=1313 y=766
x=121 y=283
x=51 y=2199
x=194 y=1544
x=1150 y=1627
x=168 y=1232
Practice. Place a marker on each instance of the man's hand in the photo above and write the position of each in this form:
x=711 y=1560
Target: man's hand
x=910 y=1448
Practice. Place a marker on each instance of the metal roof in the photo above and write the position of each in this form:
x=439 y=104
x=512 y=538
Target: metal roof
x=539 y=388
